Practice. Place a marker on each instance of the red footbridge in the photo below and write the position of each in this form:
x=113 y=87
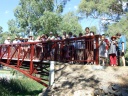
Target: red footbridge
x=33 y=58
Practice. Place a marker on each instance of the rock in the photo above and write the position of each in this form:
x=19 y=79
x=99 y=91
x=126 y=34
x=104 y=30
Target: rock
x=104 y=88
x=116 y=87
x=83 y=93
x=98 y=67
x=110 y=90
x=124 y=93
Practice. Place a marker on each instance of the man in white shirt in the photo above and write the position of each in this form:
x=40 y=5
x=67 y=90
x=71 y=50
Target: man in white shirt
x=7 y=41
x=51 y=36
x=15 y=41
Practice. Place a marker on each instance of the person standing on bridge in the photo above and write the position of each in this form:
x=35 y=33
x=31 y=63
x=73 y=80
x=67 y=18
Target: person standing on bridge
x=112 y=51
x=121 y=47
x=88 y=46
x=14 y=46
x=51 y=36
x=7 y=41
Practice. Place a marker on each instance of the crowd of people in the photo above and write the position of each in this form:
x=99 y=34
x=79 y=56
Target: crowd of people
x=113 y=49
x=108 y=49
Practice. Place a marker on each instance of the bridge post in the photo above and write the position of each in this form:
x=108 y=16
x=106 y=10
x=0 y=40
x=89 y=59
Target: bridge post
x=51 y=73
x=97 y=49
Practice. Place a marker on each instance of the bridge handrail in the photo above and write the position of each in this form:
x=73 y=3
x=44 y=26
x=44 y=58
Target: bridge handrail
x=89 y=40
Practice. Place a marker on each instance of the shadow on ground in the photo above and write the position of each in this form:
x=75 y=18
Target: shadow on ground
x=72 y=78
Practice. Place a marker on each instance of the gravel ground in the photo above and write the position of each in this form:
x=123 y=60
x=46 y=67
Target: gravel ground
x=83 y=80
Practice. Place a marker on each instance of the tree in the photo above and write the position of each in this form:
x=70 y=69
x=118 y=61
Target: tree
x=50 y=22
x=28 y=12
x=4 y=36
x=105 y=10
x=59 y=5
x=12 y=26
x=70 y=23
x=121 y=26
x=94 y=29
x=100 y=7
x=1 y=29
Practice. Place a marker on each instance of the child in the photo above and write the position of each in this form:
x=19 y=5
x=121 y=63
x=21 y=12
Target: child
x=102 y=50
x=112 y=51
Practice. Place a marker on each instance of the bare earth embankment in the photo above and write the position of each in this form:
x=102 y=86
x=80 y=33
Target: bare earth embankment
x=89 y=80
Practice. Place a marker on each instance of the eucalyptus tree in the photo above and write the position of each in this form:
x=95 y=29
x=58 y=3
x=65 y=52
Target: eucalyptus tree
x=60 y=5
x=31 y=14
x=70 y=23
x=13 y=27
x=94 y=29
x=28 y=12
x=50 y=22
x=104 y=10
x=97 y=8
x=121 y=26
x=1 y=29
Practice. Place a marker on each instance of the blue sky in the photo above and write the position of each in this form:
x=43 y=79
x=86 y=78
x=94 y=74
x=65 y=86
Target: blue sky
x=7 y=7
x=6 y=12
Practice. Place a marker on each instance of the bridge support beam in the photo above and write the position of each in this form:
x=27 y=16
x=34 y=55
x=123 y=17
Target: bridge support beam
x=51 y=73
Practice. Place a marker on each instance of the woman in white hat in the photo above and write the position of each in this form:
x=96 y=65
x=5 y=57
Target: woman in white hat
x=7 y=41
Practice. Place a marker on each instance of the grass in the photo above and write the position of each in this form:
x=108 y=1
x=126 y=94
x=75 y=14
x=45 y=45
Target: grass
x=5 y=71
x=19 y=87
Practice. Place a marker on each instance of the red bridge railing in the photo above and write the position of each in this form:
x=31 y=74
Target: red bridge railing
x=75 y=50
x=32 y=54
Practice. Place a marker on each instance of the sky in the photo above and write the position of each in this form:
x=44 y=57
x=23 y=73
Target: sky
x=7 y=13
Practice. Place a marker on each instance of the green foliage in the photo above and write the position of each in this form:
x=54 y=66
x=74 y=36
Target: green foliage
x=15 y=87
x=121 y=26
x=94 y=29
x=12 y=26
x=50 y=22
x=70 y=23
x=4 y=36
x=89 y=7
x=1 y=29
x=42 y=16
x=28 y=12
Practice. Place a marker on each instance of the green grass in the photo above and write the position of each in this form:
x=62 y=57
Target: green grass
x=19 y=87
x=5 y=71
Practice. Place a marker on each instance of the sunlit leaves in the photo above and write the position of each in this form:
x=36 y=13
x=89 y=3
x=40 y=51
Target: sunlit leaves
x=28 y=12
x=121 y=26
x=1 y=29
x=50 y=22
x=70 y=23
x=101 y=6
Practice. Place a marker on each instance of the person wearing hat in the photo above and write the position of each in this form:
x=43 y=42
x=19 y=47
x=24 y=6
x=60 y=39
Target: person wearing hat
x=7 y=41
x=30 y=39
x=15 y=41
x=51 y=36
x=112 y=51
